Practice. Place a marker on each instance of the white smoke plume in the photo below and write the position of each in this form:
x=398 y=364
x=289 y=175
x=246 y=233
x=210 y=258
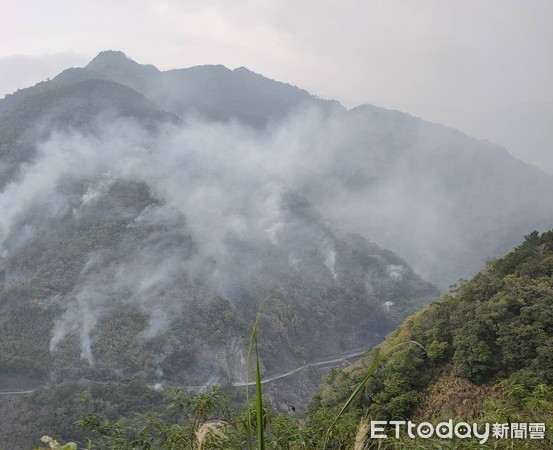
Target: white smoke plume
x=330 y=257
x=223 y=183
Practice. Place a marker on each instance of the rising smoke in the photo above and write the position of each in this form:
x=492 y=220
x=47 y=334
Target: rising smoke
x=220 y=189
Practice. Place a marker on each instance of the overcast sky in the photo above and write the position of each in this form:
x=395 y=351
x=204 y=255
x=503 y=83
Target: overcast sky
x=482 y=66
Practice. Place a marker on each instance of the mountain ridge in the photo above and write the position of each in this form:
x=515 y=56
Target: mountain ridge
x=391 y=158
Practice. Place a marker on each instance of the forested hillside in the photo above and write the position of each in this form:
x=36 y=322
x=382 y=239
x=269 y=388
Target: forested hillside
x=487 y=356
x=482 y=353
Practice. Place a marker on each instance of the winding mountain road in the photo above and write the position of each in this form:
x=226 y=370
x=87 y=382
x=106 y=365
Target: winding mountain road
x=326 y=362
x=17 y=392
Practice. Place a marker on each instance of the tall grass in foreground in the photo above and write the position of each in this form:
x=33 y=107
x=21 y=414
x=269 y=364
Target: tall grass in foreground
x=258 y=394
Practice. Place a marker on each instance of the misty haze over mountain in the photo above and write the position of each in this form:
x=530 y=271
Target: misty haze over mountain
x=143 y=239
x=444 y=201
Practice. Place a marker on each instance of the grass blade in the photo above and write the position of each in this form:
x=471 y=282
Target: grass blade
x=259 y=403
x=253 y=342
x=372 y=369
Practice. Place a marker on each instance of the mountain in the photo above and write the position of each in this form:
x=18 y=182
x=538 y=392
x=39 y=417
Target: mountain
x=473 y=370
x=137 y=248
x=148 y=217
x=212 y=92
x=442 y=200
x=484 y=354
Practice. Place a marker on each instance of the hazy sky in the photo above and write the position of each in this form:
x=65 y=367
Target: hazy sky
x=482 y=66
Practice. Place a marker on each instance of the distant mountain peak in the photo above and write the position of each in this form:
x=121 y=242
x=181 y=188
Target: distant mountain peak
x=110 y=56
x=115 y=59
